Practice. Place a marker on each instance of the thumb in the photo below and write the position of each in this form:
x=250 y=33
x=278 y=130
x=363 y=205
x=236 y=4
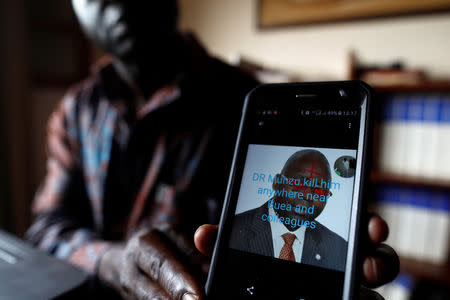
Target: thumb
x=205 y=237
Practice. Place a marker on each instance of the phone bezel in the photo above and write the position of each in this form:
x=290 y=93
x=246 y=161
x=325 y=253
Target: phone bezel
x=353 y=262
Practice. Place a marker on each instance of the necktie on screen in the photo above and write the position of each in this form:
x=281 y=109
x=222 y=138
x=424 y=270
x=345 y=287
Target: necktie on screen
x=286 y=252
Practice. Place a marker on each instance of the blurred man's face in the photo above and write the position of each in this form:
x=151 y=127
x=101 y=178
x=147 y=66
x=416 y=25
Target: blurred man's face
x=304 y=169
x=128 y=28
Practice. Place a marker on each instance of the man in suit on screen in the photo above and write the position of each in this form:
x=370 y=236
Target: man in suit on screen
x=285 y=226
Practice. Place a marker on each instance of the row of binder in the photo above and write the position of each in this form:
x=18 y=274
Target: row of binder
x=415 y=136
x=419 y=221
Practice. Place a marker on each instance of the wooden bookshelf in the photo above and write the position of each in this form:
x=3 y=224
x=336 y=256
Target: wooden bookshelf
x=382 y=177
x=426 y=86
x=356 y=70
x=422 y=270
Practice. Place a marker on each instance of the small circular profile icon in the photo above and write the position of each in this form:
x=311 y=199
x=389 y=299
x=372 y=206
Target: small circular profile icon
x=345 y=166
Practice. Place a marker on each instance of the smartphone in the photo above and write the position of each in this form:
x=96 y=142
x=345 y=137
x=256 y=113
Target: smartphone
x=292 y=216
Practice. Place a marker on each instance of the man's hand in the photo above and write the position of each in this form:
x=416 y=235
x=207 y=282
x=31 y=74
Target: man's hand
x=150 y=266
x=380 y=266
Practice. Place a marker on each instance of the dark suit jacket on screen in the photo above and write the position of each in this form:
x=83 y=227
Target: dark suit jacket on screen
x=322 y=247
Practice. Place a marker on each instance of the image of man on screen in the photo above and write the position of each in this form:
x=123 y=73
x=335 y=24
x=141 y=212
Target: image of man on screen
x=285 y=226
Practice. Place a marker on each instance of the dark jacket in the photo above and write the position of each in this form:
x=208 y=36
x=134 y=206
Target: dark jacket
x=322 y=247
x=112 y=171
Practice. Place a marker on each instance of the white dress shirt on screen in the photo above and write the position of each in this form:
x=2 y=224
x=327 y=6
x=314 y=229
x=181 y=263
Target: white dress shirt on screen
x=278 y=229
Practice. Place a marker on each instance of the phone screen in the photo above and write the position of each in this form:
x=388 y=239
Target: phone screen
x=288 y=227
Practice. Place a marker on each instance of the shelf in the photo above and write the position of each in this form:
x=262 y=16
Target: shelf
x=426 y=271
x=382 y=177
x=432 y=86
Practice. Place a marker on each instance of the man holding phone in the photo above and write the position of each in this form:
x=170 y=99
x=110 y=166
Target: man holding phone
x=293 y=234
x=139 y=156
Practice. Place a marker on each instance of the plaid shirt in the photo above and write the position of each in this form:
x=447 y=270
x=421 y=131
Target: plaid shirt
x=112 y=170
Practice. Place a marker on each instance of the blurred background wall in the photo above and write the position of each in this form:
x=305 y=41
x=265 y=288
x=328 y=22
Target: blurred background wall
x=230 y=27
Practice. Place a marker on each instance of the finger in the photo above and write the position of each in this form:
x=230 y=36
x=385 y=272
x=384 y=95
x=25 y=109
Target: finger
x=198 y=262
x=205 y=237
x=381 y=266
x=367 y=294
x=143 y=288
x=184 y=244
x=378 y=229
x=156 y=259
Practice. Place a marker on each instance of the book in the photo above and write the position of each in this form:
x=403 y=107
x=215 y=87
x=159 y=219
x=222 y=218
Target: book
x=430 y=137
x=392 y=135
x=389 y=207
x=437 y=242
x=443 y=151
x=399 y=289
x=414 y=135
